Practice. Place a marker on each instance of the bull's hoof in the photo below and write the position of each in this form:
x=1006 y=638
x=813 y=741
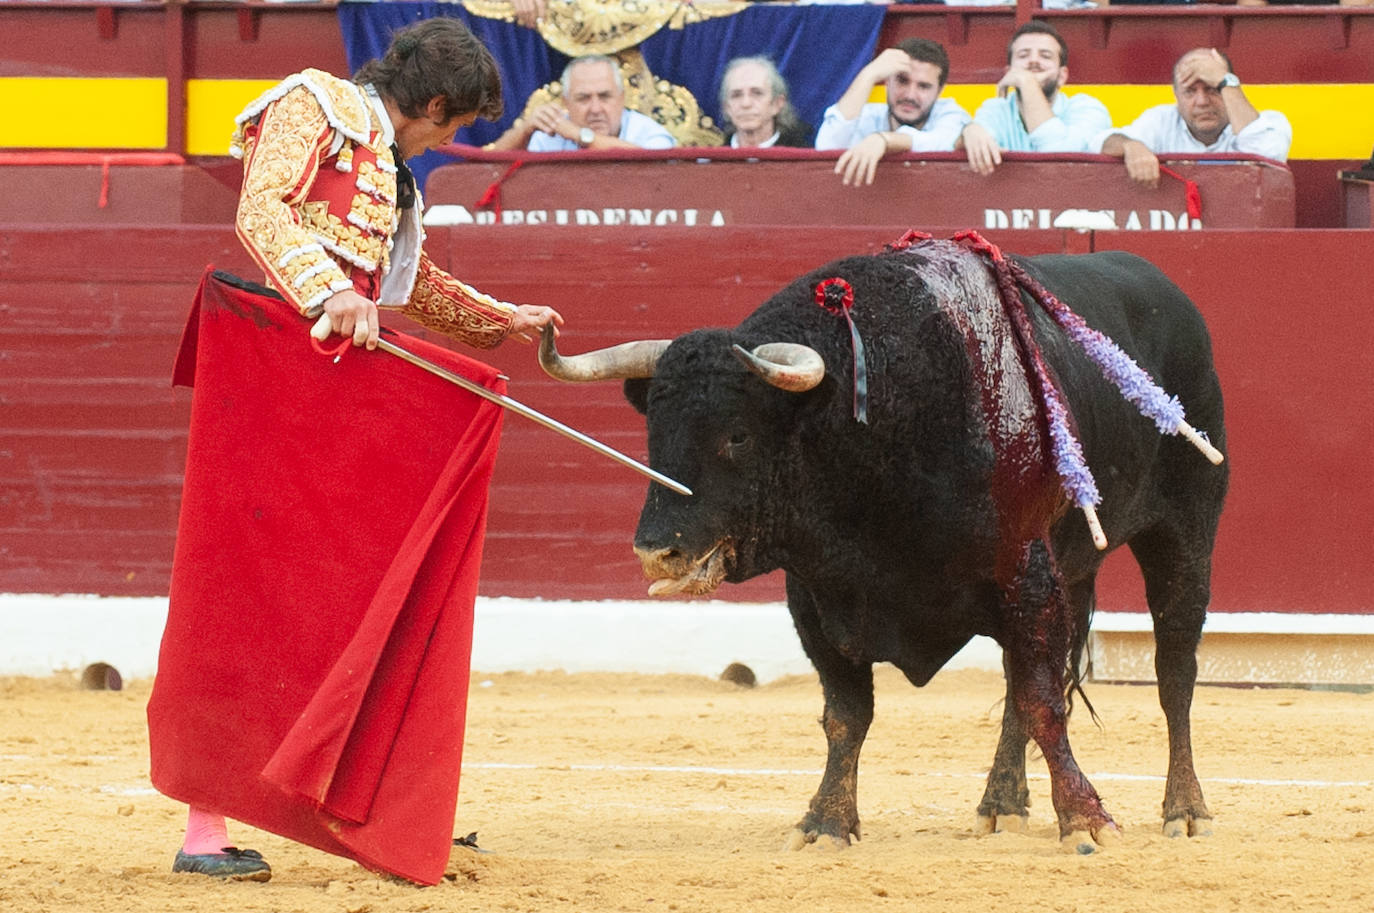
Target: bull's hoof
x=1080 y=842
x=1188 y=827
x=1007 y=824
x=1085 y=843
x=799 y=838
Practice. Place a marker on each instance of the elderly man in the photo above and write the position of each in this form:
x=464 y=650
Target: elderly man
x=915 y=118
x=1210 y=114
x=1030 y=112
x=754 y=107
x=591 y=115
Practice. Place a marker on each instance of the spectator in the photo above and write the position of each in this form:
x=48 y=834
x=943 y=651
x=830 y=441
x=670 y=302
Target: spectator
x=754 y=107
x=1038 y=117
x=914 y=119
x=1210 y=114
x=591 y=115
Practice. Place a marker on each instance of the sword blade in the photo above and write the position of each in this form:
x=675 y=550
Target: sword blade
x=533 y=415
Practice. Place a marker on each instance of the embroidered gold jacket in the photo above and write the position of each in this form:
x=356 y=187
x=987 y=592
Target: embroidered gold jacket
x=318 y=210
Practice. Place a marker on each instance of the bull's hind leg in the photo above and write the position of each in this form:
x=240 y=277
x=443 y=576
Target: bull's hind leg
x=848 y=690
x=1039 y=640
x=1006 y=801
x=1177 y=587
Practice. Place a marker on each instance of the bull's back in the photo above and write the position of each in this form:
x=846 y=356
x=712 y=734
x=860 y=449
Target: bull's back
x=1140 y=309
x=1142 y=475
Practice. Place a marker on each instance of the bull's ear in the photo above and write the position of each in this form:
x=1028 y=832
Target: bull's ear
x=637 y=392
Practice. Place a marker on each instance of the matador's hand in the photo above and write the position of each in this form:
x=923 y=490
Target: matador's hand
x=530 y=319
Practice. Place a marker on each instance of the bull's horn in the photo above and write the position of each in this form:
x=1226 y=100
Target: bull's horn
x=788 y=366
x=629 y=359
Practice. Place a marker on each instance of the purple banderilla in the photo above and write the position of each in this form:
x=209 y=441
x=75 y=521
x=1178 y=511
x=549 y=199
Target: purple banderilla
x=1135 y=384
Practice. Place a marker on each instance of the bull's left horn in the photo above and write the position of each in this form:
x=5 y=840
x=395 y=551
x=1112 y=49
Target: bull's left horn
x=629 y=359
x=788 y=366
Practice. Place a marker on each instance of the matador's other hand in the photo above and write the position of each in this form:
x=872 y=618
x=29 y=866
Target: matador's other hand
x=350 y=314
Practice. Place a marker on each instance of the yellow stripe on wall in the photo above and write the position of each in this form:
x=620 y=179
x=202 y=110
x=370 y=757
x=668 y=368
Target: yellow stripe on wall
x=1330 y=121
x=212 y=105
x=59 y=113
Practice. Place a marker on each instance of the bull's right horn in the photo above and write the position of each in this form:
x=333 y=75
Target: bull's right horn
x=788 y=366
x=629 y=359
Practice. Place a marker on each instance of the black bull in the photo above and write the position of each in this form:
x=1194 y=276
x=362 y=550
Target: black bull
x=942 y=516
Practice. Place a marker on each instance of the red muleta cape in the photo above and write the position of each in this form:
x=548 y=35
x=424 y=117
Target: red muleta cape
x=313 y=674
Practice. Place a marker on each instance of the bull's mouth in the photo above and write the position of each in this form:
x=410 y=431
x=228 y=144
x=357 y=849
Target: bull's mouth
x=698 y=578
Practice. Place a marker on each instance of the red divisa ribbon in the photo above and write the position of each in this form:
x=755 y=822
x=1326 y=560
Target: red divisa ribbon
x=842 y=307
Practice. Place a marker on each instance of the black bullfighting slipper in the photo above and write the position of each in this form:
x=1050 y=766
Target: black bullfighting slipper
x=231 y=863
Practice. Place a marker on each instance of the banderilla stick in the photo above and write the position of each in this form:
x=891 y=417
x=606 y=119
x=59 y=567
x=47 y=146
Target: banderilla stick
x=322 y=329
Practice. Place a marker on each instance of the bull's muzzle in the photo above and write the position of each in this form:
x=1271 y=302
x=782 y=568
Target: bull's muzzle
x=672 y=571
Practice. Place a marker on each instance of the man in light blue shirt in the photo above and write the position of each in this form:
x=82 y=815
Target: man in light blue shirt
x=1030 y=113
x=915 y=118
x=591 y=115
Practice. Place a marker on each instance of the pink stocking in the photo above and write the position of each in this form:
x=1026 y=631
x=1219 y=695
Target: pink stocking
x=205 y=832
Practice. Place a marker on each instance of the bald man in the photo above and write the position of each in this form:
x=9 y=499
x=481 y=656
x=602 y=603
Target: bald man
x=1210 y=114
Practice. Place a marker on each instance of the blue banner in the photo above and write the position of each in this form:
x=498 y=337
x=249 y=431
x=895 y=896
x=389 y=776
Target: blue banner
x=818 y=49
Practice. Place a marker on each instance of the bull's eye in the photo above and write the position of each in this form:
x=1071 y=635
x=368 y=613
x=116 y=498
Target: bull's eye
x=735 y=445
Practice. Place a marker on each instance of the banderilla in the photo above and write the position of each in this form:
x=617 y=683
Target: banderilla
x=322 y=329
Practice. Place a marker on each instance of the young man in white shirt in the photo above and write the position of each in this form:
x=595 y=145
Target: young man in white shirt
x=915 y=118
x=1210 y=114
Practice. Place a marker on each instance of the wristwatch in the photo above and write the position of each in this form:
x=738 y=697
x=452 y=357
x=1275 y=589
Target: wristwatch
x=1231 y=80
x=587 y=134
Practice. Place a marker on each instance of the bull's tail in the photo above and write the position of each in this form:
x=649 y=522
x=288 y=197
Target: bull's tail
x=1080 y=666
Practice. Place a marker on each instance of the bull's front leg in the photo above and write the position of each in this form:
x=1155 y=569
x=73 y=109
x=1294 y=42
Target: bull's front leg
x=1039 y=639
x=848 y=690
x=1006 y=801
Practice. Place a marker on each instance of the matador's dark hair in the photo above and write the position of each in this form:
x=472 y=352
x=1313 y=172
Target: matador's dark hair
x=437 y=57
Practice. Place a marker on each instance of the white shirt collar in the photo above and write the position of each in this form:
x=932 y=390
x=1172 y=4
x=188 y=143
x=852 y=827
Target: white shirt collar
x=378 y=106
x=734 y=140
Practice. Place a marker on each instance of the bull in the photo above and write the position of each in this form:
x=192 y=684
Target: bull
x=940 y=516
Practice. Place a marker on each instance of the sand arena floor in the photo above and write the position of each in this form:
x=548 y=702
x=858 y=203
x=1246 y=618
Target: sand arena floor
x=600 y=792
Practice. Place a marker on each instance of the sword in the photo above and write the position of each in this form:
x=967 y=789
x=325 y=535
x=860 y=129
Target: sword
x=322 y=326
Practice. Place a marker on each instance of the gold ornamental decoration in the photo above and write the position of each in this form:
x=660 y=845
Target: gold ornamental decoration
x=616 y=28
x=577 y=27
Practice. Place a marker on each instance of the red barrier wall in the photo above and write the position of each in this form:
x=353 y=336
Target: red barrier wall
x=1028 y=190
x=92 y=437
